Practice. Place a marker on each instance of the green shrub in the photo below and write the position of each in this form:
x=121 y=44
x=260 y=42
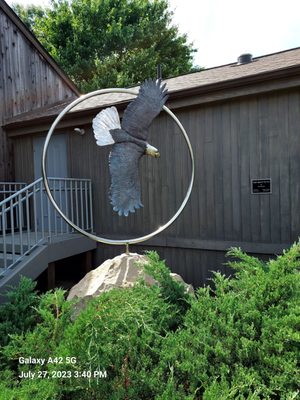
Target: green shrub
x=239 y=340
x=242 y=342
x=54 y=316
x=27 y=389
x=37 y=336
x=17 y=315
x=172 y=291
x=121 y=332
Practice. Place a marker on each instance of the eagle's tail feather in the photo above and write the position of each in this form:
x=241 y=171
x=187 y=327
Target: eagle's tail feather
x=105 y=121
x=125 y=211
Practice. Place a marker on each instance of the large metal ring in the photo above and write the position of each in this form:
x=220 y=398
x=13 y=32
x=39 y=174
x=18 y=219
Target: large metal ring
x=90 y=235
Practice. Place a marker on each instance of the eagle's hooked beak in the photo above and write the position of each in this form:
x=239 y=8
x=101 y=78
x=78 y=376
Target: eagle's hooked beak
x=152 y=151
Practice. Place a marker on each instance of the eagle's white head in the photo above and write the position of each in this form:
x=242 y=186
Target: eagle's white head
x=152 y=151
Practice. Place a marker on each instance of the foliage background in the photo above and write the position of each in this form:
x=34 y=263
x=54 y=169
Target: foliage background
x=110 y=43
x=236 y=339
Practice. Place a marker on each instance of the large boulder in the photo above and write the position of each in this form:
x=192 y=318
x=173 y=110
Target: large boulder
x=122 y=271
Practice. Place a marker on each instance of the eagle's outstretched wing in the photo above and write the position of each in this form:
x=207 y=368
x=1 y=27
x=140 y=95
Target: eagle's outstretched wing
x=125 y=189
x=105 y=121
x=144 y=108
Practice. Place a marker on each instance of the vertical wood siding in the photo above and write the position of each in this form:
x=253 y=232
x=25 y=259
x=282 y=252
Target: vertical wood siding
x=235 y=141
x=27 y=82
x=24 y=159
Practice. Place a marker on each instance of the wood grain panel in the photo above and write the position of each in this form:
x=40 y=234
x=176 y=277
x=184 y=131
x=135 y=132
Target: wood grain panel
x=27 y=82
x=294 y=164
x=23 y=156
x=233 y=142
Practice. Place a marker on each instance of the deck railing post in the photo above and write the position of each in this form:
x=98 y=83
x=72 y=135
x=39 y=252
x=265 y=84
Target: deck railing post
x=76 y=203
x=12 y=228
x=27 y=219
x=81 y=206
x=42 y=196
x=3 y=223
x=67 y=204
x=20 y=217
x=91 y=207
x=61 y=205
x=72 y=202
x=86 y=206
x=55 y=193
x=35 y=214
x=49 y=218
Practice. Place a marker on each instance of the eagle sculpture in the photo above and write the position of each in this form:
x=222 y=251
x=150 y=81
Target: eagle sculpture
x=129 y=140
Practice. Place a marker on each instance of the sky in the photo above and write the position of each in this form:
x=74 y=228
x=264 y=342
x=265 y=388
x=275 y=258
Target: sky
x=221 y=30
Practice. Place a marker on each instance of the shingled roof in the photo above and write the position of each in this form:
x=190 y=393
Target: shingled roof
x=259 y=65
x=281 y=64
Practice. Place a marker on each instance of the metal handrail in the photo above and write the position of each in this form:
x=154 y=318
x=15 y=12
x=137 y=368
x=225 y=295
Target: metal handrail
x=9 y=188
x=28 y=219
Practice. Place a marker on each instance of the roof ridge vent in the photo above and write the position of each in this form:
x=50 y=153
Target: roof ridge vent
x=244 y=59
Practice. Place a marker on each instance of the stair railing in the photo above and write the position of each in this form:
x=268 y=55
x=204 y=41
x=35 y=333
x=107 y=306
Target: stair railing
x=9 y=188
x=28 y=219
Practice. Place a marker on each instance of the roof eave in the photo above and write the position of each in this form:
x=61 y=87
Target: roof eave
x=183 y=93
x=244 y=81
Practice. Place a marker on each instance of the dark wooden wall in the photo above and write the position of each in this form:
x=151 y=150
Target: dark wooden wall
x=234 y=141
x=27 y=82
x=23 y=159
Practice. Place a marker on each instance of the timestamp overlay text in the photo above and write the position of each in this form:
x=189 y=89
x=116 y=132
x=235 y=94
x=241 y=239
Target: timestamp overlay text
x=57 y=368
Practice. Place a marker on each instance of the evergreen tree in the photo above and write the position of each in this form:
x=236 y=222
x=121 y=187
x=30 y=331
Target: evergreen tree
x=107 y=43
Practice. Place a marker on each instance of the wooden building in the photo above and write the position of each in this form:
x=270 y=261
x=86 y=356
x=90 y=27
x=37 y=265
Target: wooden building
x=29 y=79
x=32 y=238
x=243 y=120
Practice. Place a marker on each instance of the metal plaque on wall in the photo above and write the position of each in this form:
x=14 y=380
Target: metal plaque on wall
x=261 y=186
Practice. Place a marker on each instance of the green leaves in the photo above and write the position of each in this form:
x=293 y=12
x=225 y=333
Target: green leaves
x=238 y=341
x=120 y=331
x=109 y=43
x=18 y=314
x=242 y=342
